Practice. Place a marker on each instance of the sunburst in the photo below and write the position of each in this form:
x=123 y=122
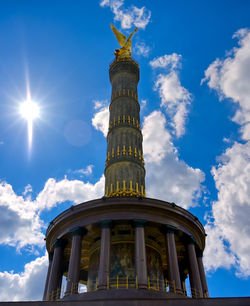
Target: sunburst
x=29 y=110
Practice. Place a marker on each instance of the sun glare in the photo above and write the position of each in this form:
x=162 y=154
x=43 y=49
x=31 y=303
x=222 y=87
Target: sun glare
x=29 y=110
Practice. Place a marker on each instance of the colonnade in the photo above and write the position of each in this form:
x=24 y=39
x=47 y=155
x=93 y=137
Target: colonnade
x=55 y=270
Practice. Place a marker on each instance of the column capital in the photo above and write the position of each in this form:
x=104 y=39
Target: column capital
x=50 y=256
x=78 y=231
x=167 y=228
x=199 y=253
x=106 y=224
x=59 y=243
x=139 y=222
x=191 y=240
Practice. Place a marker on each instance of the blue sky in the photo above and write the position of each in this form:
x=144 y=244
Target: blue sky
x=194 y=91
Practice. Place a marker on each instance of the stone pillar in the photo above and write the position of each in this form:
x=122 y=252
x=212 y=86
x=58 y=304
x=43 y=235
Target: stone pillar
x=194 y=273
x=173 y=266
x=104 y=265
x=183 y=283
x=202 y=274
x=74 y=261
x=140 y=253
x=55 y=280
x=45 y=294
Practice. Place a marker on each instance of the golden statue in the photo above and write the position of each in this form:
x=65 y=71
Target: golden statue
x=125 y=43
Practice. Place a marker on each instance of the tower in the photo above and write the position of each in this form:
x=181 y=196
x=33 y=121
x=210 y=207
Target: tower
x=124 y=167
x=125 y=246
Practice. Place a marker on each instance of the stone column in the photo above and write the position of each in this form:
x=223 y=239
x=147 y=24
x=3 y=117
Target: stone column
x=45 y=295
x=202 y=274
x=173 y=266
x=55 y=280
x=194 y=273
x=183 y=283
x=74 y=261
x=104 y=265
x=140 y=253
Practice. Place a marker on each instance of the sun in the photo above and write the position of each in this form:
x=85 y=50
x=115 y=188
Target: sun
x=29 y=110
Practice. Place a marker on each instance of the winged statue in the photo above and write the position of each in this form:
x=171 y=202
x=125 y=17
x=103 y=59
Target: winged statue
x=124 y=42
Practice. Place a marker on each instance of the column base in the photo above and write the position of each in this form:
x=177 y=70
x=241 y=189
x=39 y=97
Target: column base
x=102 y=287
x=176 y=291
x=179 y=291
x=71 y=288
x=206 y=295
x=67 y=293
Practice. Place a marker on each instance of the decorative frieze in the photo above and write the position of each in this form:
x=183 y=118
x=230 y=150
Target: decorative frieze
x=124 y=93
x=125 y=189
x=124 y=119
x=125 y=151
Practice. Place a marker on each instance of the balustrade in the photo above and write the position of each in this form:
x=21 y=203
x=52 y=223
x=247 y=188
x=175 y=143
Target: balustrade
x=125 y=282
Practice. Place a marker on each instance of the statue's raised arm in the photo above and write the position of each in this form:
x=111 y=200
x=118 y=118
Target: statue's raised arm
x=125 y=43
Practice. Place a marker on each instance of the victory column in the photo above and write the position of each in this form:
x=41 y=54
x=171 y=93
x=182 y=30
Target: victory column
x=125 y=246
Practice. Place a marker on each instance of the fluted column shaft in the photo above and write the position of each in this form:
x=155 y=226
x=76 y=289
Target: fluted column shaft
x=173 y=266
x=74 y=262
x=194 y=273
x=45 y=294
x=140 y=253
x=104 y=265
x=55 y=279
x=202 y=275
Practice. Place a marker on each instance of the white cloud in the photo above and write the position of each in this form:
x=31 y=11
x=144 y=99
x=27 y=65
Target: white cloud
x=143 y=103
x=168 y=178
x=141 y=48
x=232 y=209
x=156 y=139
x=28 y=285
x=27 y=189
x=217 y=254
x=230 y=77
x=100 y=104
x=101 y=120
x=133 y=15
x=174 y=97
x=76 y=191
x=20 y=223
x=171 y=61
x=86 y=171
